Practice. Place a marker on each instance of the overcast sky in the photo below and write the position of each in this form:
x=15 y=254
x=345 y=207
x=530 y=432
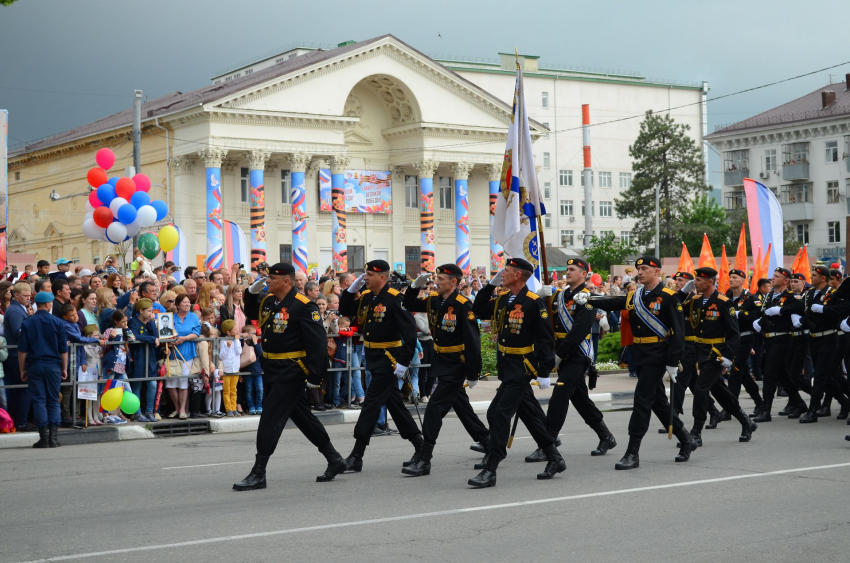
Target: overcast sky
x=111 y=47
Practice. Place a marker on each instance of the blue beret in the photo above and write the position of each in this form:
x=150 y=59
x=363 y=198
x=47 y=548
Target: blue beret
x=43 y=297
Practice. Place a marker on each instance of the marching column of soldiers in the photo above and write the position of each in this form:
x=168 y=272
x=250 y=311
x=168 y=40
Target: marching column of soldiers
x=694 y=336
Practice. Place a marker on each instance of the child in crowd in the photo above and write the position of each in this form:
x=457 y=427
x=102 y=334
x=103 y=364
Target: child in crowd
x=229 y=353
x=340 y=378
x=72 y=331
x=116 y=357
x=413 y=373
x=143 y=326
x=213 y=390
x=91 y=365
x=253 y=382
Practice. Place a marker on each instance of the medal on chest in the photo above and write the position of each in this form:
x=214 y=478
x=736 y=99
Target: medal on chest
x=379 y=312
x=655 y=306
x=449 y=322
x=280 y=321
x=515 y=319
x=712 y=314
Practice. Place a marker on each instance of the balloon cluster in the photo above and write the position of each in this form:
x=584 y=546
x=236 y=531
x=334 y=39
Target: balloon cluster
x=120 y=207
x=117 y=397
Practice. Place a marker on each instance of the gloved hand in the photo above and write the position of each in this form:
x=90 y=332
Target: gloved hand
x=757 y=325
x=421 y=281
x=689 y=287
x=580 y=298
x=358 y=284
x=543 y=382
x=772 y=311
x=727 y=363
x=257 y=286
x=817 y=308
x=471 y=383
x=497 y=279
x=844 y=326
x=797 y=321
x=545 y=291
x=313 y=385
x=399 y=370
x=673 y=371
x=558 y=360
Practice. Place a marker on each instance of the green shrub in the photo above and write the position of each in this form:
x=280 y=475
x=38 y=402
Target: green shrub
x=609 y=348
x=488 y=355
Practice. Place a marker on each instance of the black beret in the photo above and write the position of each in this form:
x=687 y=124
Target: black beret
x=282 y=269
x=377 y=266
x=737 y=273
x=784 y=271
x=798 y=276
x=520 y=264
x=580 y=263
x=835 y=273
x=686 y=275
x=648 y=261
x=705 y=272
x=450 y=270
x=823 y=270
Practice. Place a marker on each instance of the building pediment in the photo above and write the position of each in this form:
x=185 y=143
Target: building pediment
x=355 y=138
x=52 y=231
x=17 y=236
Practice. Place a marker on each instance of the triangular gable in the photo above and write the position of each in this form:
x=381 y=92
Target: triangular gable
x=52 y=231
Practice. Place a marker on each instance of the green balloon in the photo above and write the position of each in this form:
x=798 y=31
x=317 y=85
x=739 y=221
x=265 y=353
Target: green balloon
x=149 y=245
x=130 y=403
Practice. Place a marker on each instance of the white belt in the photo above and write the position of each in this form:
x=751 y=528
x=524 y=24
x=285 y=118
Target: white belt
x=747 y=333
x=824 y=333
x=772 y=334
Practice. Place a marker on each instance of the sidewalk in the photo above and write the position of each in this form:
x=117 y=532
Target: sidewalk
x=611 y=386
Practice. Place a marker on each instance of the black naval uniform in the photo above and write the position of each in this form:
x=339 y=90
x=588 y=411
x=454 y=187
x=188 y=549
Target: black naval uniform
x=389 y=338
x=294 y=350
x=799 y=353
x=457 y=358
x=747 y=309
x=823 y=346
x=651 y=355
x=687 y=378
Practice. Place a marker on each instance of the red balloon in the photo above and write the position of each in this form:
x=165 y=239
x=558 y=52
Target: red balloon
x=125 y=187
x=97 y=177
x=143 y=183
x=93 y=199
x=102 y=217
x=596 y=279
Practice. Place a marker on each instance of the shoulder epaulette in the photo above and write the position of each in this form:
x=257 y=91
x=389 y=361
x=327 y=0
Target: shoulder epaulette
x=722 y=297
x=365 y=291
x=502 y=292
x=302 y=298
x=532 y=295
x=460 y=298
x=433 y=294
x=668 y=291
x=585 y=290
x=392 y=292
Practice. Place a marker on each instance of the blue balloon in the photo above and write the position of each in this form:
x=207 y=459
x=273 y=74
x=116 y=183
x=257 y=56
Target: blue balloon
x=139 y=199
x=113 y=181
x=126 y=214
x=161 y=209
x=106 y=193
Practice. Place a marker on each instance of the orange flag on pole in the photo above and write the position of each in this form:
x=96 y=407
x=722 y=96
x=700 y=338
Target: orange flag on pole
x=796 y=263
x=723 y=280
x=765 y=263
x=706 y=255
x=686 y=264
x=805 y=265
x=741 y=256
x=756 y=273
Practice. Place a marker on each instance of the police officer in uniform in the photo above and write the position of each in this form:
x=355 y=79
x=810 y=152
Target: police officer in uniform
x=657 y=323
x=43 y=361
x=525 y=351
x=294 y=350
x=389 y=337
x=457 y=353
x=715 y=344
x=573 y=357
x=776 y=326
x=747 y=309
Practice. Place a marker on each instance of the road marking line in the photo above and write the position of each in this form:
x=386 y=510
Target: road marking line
x=451 y=512
x=206 y=465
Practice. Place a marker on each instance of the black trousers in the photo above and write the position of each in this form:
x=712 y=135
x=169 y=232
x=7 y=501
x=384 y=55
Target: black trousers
x=571 y=374
x=777 y=351
x=515 y=397
x=826 y=360
x=799 y=354
x=687 y=379
x=426 y=375
x=758 y=357
x=383 y=390
x=18 y=400
x=710 y=380
x=739 y=375
x=584 y=406
x=651 y=397
x=449 y=395
x=284 y=399
x=471 y=423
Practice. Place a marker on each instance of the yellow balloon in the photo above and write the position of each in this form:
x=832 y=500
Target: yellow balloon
x=168 y=238
x=111 y=400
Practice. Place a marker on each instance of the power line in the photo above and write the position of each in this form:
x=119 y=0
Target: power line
x=66 y=93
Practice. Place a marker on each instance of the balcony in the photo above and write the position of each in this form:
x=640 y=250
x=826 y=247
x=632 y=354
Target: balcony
x=799 y=171
x=798 y=212
x=735 y=177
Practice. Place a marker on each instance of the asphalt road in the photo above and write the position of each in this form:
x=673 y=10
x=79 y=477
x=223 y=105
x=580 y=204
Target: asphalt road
x=782 y=497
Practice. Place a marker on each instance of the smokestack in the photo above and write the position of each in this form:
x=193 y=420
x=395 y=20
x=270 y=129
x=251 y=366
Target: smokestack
x=847 y=82
x=827 y=98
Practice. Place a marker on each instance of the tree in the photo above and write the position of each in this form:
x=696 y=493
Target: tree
x=7 y=2
x=604 y=251
x=705 y=216
x=664 y=156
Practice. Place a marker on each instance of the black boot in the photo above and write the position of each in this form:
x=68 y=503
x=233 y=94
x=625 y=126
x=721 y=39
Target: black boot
x=606 y=440
x=479 y=447
x=757 y=410
x=824 y=411
x=787 y=409
x=696 y=434
x=764 y=415
x=556 y=463
x=845 y=407
x=747 y=426
x=812 y=413
x=487 y=477
x=688 y=445
x=417 y=442
x=354 y=461
x=724 y=416
x=422 y=465
x=483 y=463
x=713 y=419
x=53 y=436
x=44 y=439
x=539 y=454
x=798 y=410
x=630 y=460
x=256 y=479
x=336 y=464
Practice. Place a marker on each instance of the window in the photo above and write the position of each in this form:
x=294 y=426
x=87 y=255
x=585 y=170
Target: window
x=411 y=192
x=736 y=160
x=592 y=208
x=228 y=79
x=547 y=221
x=547 y=190
x=735 y=200
x=249 y=71
x=546 y=160
x=605 y=208
x=217 y=82
x=286 y=253
x=245 y=185
x=604 y=180
x=626 y=237
x=795 y=153
x=591 y=179
x=17 y=175
x=545 y=101
x=546 y=125
x=567 y=207
x=446 y=198
x=770 y=160
x=625 y=179
x=832 y=192
x=803 y=233
x=565 y=177
x=847 y=187
x=237 y=75
x=831 y=151
x=356 y=258
x=280 y=60
x=412 y=260
x=285 y=189
x=603 y=234
x=796 y=193
x=567 y=237
x=833 y=229
x=293 y=55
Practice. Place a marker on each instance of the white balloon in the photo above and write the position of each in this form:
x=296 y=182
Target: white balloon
x=115 y=205
x=146 y=216
x=133 y=228
x=88 y=216
x=116 y=232
x=89 y=207
x=92 y=231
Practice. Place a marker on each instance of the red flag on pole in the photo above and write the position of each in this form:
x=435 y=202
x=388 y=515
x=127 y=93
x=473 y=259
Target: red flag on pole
x=723 y=280
x=741 y=256
x=805 y=265
x=686 y=264
x=765 y=262
x=706 y=255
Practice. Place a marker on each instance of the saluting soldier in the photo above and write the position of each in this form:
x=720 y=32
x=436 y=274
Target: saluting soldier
x=715 y=343
x=747 y=309
x=457 y=354
x=573 y=357
x=525 y=352
x=657 y=323
x=294 y=350
x=389 y=337
x=776 y=324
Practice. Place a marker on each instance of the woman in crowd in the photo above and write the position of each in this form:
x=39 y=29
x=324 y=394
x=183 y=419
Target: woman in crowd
x=331 y=287
x=106 y=302
x=233 y=307
x=207 y=297
x=115 y=282
x=167 y=300
x=476 y=287
x=88 y=308
x=188 y=328
x=466 y=290
x=5 y=295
